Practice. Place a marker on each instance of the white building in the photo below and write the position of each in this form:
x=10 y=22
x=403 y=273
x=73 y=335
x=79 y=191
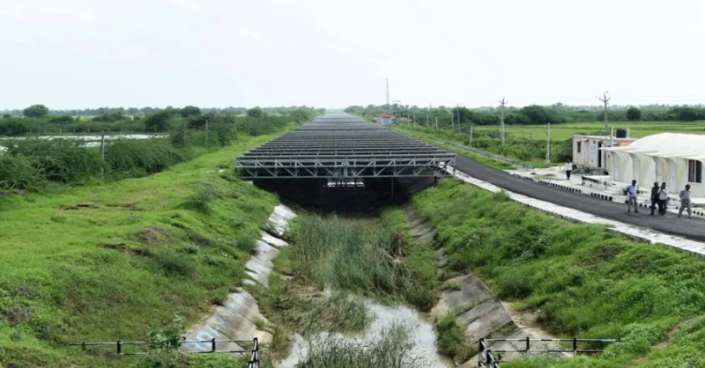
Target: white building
x=588 y=151
x=676 y=159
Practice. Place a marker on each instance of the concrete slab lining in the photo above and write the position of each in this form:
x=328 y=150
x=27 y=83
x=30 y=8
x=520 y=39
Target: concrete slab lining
x=239 y=317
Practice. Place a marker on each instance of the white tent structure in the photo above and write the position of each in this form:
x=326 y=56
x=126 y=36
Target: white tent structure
x=676 y=159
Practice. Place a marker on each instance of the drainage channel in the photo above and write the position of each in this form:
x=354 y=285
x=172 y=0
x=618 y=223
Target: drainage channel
x=419 y=331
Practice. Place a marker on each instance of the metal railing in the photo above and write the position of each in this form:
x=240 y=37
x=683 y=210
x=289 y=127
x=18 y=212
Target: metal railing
x=488 y=359
x=120 y=345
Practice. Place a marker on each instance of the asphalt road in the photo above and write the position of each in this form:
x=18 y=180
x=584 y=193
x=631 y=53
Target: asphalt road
x=688 y=228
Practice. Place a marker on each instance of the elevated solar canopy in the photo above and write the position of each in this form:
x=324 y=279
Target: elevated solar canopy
x=338 y=146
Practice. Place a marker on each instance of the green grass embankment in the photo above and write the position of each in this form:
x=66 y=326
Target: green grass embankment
x=103 y=262
x=582 y=279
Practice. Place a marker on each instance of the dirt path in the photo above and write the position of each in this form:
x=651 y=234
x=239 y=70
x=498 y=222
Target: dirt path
x=671 y=335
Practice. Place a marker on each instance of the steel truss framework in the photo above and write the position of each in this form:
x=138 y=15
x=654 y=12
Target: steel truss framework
x=341 y=146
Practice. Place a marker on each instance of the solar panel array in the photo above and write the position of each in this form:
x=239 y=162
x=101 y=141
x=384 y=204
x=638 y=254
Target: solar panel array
x=339 y=146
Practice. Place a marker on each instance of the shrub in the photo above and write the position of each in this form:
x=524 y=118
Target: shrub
x=17 y=172
x=203 y=195
x=392 y=350
x=172 y=263
x=451 y=339
x=59 y=160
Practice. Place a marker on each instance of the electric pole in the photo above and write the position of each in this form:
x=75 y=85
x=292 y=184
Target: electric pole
x=457 y=110
x=427 y=111
x=605 y=100
x=389 y=107
x=436 y=122
x=548 y=144
x=470 y=140
x=501 y=119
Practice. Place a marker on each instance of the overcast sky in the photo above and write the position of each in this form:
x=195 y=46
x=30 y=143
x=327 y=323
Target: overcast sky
x=330 y=53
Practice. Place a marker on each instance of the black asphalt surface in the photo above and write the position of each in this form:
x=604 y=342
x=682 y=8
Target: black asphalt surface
x=688 y=228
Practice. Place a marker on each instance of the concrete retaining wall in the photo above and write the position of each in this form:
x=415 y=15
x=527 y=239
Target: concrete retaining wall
x=240 y=317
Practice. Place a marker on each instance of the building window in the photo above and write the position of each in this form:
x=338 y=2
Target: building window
x=695 y=171
x=580 y=146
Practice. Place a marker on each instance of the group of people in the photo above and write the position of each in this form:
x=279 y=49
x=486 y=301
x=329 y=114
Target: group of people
x=659 y=198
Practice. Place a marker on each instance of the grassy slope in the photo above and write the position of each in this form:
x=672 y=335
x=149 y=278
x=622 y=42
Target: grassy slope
x=174 y=241
x=585 y=280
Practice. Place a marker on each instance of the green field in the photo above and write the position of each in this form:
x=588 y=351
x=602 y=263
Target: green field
x=566 y=131
x=106 y=262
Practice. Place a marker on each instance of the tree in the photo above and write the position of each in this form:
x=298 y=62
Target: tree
x=110 y=117
x=158 y=121
x=633 y=114
x=197 y=122
x=540 y=115
x=13 y=127
x=35 y=111
x=301 y=115
x=685 y=113
x=61 y=119
x=255 y=112
x=189 y=111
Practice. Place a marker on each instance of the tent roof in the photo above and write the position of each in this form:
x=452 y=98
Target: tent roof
x=668 y=144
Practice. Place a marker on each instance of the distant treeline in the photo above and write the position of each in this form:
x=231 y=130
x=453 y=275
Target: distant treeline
x=529 y=115
x=132 y=111
x=38 y=119
x=34 y=163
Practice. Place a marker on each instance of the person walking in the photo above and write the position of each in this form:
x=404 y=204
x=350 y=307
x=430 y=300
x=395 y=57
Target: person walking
x=632 y=192
x=685 y=201
x=662 y=199
x=568 y=169
x=654 y=198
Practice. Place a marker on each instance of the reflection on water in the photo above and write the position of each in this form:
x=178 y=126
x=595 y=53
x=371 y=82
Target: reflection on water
x=91 y=140
x=90 y=137
x=421 y=335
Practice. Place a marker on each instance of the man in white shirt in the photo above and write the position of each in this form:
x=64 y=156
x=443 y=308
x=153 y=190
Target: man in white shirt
x=662 y=199
x=568 y=169
x=685 y=201
x=632 y=192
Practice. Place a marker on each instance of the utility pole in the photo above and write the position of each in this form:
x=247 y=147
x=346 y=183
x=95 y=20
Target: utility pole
x=470 y=140
x=207 y=141
x=102 y=145
x=388 y=105
x=605 y=100
x=436 y=122
x=457 y=110
x=548 y=144
x=102 y=151
x=427 y=111
x=501 y=119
